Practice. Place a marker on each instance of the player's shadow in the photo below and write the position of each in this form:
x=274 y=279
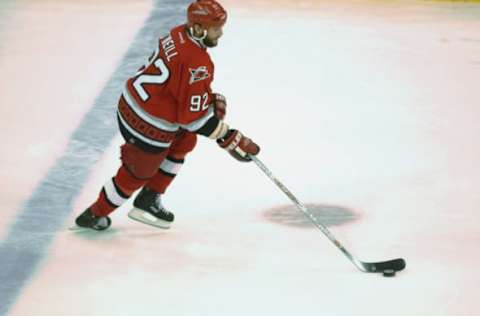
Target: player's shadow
x=327 y=215
x=90 y=234
x=120 y=232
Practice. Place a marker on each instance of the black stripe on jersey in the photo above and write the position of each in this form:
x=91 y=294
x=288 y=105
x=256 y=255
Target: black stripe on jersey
x=130 y=138
x=119 y=191
x=209 y=127
x=106 y=199
x=170 y=175
x=175 y=160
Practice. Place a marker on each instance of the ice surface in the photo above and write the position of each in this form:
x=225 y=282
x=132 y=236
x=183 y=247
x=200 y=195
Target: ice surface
x=365 y=107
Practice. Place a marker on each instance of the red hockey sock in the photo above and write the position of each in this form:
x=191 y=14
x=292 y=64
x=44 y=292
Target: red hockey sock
x=165 y=175
x=102 y=207
x=160 y=182
x=115 y=192
x=127 y=182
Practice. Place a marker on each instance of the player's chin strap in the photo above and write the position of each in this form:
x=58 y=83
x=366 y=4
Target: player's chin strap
x=198 y=39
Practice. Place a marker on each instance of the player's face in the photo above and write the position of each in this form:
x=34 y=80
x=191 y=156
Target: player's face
x=213 y=34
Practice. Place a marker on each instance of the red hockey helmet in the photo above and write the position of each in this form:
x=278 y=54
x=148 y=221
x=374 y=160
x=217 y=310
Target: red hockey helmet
x=206 y=13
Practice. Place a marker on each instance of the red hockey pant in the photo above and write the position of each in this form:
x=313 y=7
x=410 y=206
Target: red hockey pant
x=140 y=168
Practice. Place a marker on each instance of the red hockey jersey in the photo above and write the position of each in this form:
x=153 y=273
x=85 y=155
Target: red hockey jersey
x=172 y=90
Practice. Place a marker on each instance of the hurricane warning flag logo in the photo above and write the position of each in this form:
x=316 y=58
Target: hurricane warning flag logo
x=198 y=74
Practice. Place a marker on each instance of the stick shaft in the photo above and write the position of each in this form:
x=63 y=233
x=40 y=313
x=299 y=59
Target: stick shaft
x=304 y=209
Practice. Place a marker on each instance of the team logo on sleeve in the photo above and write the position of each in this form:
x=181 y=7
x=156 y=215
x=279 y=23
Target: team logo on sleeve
x=198 y=74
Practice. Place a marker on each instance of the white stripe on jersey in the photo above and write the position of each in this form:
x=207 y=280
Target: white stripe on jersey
x=155 y=121
x=196 y=125
x=163 y=124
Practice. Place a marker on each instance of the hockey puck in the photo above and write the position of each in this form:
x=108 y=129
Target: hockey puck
x=388 y=273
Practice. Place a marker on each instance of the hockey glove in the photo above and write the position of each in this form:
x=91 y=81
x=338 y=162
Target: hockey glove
x=219 y=105
x=238 y=145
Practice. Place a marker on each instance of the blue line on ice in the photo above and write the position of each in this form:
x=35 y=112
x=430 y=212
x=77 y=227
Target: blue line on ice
x=50 y=204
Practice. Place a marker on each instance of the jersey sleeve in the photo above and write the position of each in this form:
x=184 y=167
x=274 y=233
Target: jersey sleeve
x=194 y=97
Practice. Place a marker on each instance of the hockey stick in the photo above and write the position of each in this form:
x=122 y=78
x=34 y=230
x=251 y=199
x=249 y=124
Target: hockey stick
x=395 y=264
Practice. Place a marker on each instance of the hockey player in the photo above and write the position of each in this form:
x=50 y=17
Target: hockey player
x=160 y=113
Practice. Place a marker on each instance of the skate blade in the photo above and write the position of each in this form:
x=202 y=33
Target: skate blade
x=147 y=218
x=76 y=228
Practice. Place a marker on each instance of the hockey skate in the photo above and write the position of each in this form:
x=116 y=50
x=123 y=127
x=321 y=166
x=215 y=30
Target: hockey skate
x=89 y=220
x=148 y=209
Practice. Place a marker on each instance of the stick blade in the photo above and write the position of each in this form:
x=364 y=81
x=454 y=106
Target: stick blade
x=395 y=264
